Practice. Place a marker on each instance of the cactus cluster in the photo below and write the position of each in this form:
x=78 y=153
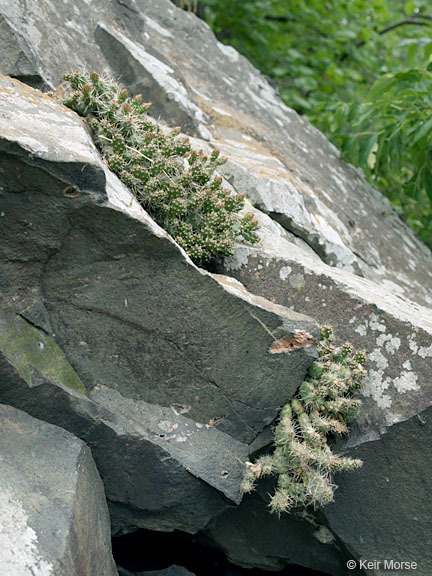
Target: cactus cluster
x=302 y=460
x=176 y=184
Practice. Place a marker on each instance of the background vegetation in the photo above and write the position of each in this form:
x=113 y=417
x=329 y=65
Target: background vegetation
x=359 y=70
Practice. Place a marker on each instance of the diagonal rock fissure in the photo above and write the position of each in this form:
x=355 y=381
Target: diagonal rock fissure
x=148 y=329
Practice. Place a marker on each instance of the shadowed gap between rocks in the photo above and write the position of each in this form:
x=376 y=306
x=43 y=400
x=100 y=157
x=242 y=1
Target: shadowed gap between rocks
x=146 y=551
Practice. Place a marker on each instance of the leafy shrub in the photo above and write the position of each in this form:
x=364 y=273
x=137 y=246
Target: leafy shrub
x=172 y=181
x=302 y=460
x=389 y=135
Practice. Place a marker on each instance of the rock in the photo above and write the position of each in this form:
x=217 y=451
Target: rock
x=175 y=370
x=285 y=165
x=53 y=516
x=395 y=333
x=17 y=59
x=87 y=265
x=397 y=336
x=251 y=537
x=384 y=513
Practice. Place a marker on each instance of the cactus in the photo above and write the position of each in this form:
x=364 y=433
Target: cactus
x=173 y=182
x=302 y=460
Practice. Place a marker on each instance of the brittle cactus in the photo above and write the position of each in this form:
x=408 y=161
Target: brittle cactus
x=302 y=460
x=175 y=184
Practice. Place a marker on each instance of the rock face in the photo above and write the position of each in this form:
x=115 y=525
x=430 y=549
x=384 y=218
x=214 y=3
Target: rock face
x=289 y=169
x=137 y=334
x=53 y=516
x=168 y=371
x=252 y=537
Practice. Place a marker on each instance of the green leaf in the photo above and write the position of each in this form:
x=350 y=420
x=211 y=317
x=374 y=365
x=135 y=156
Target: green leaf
x=381 y=86
x=366 y=148
x=426 y=127
x=409 y=7
x=427 y=182
x=371 y=160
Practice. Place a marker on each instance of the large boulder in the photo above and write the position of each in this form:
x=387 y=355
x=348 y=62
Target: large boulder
x=53 y=515
x=109 y=330
x=251 y=537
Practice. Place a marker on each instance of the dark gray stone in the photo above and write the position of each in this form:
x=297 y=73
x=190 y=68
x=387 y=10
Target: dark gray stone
x=395 y=333
x=53 y=515
x=160 y=470
x=251 y=537
x=368 y=516
x=385 y=512
x=343 y=230
x=17 y=59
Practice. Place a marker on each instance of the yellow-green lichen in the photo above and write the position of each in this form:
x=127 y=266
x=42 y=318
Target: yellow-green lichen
x=35 y=355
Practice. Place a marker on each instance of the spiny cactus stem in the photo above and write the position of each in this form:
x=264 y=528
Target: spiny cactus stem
x=302 y=458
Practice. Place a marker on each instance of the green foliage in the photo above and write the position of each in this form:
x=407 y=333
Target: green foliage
x=389 y=135
x=325 y=57
x=302 y=460
x=176 y=184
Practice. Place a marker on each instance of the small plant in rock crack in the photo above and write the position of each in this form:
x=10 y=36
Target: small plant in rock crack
x=175 y=183
x=302 y=460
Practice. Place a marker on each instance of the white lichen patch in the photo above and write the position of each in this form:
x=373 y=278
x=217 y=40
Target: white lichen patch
x=18 y=541
x=425 y=351
x=324 y=535
x=361 y=329
x=237 y=260
x=374 y=387
x=392 y=345
x=297 y=281
x=375 y=323
x=406 y=382
x=284 y=272
x=380 y=360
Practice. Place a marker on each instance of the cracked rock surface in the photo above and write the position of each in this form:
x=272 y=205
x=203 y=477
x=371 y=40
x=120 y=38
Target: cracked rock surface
x=138 y=334
x=287 y=167
x=109 y=330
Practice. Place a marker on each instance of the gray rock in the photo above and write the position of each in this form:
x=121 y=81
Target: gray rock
x=53 y=515
x=395 y=333
x=344 y=230
x=385 y=512
x=251 y=537
x=17 y=59
x=284 y=165
x=161 y=470
x=181 y=368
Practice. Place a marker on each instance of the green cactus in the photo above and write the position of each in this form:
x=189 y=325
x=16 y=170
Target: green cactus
x=173 y=182
x=302 y=460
